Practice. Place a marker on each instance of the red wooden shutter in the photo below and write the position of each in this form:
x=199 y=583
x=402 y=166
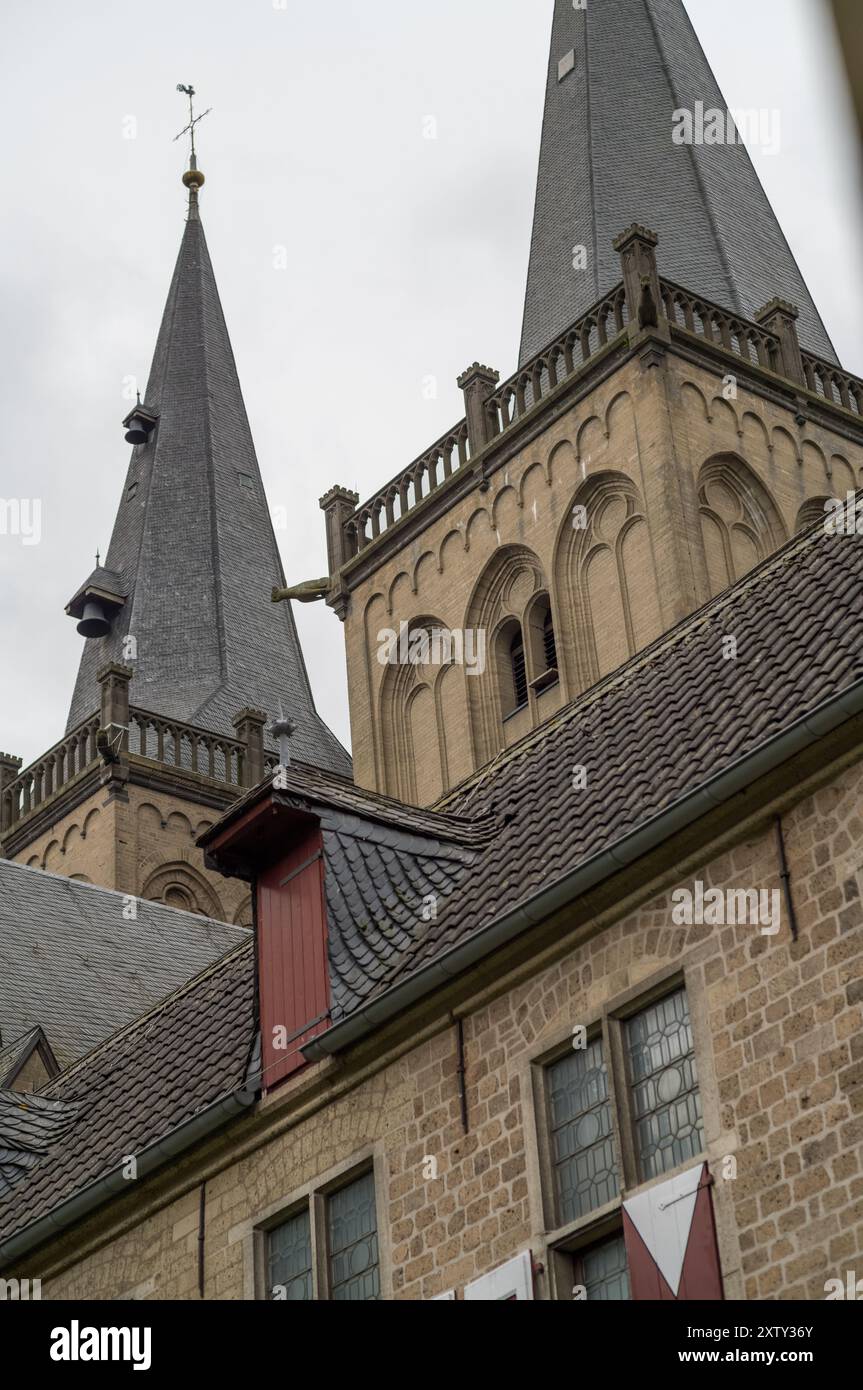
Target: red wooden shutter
x=292 y=957
x=670 y=1238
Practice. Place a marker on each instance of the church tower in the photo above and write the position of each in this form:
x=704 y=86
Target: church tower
x=186 y=661
x=677 y=415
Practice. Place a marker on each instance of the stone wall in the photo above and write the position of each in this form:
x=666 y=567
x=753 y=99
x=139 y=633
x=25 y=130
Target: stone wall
x=778 y=1036
x=683 y=491
x=143 y=843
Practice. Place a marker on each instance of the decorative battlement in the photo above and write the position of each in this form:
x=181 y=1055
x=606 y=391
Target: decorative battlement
x=500 y=410
x=167 y=743
x=641 y=301
x=26 y=792
x=749 y=341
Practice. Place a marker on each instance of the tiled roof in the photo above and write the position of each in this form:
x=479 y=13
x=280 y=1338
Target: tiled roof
x=72 y=962
x=380 y=885
x=30 y=1128
x=136 y=1087
x=386 y=867
x=673 y=717
x=193 y=543
x=315 y=787
x=608 y=160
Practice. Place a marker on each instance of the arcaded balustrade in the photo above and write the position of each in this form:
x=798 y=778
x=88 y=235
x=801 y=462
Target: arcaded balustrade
x=49 y=774
x=834 y=384
x=173 y=744
x=565 y=359
x=727 y=330
x=408 y=489
x=556 y=363
x=526 y=389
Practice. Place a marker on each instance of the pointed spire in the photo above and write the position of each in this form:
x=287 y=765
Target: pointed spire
x=193 y=556
x=618 y=71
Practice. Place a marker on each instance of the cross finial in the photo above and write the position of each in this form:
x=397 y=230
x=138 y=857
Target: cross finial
x=193 y=178
x=193 y=120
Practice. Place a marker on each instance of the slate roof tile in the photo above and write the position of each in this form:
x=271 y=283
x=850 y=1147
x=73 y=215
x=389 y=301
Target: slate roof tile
x=138 y=1085
x=194 y=546
x=72 y=962
x=607 y=160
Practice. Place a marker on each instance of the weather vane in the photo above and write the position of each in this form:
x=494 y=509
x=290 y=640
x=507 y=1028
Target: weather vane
x=193 y=119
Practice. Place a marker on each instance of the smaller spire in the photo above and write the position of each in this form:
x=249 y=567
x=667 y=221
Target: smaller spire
x=193 y=177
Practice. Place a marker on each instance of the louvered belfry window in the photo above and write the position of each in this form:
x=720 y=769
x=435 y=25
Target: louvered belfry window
x=548 y=643
x=519 y=671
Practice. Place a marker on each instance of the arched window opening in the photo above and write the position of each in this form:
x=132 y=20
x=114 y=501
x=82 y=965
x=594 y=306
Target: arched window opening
x=812 y=513
x=511 y=668
x=179 y=898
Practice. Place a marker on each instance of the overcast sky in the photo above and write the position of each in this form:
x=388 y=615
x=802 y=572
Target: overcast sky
x=406 y=258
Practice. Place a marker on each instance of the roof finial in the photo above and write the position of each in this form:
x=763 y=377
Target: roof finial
x=193 y=178
x=283 y=729
x=98 y=561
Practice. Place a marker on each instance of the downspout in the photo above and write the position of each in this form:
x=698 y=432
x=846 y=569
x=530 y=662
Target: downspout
x=462 y=1074
x=785 y=874
x=202 y=1228
x=716 y=791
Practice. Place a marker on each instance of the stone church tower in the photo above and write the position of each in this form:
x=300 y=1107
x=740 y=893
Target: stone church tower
x=677 y=415
x=186 y=661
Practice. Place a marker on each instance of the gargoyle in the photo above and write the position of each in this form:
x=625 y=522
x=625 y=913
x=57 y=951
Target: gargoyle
x=311 y=592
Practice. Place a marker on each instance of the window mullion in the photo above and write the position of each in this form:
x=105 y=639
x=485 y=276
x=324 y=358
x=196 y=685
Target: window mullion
x=621 y=1114
x=320 y=1247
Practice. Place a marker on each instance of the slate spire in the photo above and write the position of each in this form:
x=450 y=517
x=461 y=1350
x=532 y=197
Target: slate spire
x=193 y=556
x=618 y=71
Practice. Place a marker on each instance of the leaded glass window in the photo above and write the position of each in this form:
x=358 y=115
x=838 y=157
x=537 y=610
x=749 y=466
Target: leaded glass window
x=665 y=1097
x=581 y=1130
x=290 y=1259
x=604 y=1272
x=353 y=1242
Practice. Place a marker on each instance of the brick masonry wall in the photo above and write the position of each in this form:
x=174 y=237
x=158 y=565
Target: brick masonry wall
x=777 y=1029
x=79 y=845
x=140 y=845
x=654 y=426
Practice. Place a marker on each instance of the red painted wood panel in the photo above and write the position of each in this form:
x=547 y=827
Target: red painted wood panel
x=292 y=957
x=701 y=1277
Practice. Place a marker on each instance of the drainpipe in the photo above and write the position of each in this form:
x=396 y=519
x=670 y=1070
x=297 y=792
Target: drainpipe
x=785 y=874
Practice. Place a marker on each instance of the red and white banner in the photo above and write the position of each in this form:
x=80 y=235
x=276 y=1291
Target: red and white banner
x=671 y=1240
